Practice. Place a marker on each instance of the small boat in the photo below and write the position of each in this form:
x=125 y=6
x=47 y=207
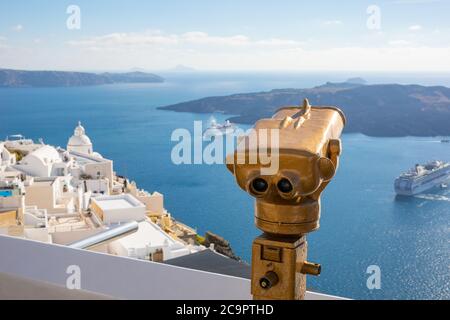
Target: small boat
x=15 y=137
x=445 y=140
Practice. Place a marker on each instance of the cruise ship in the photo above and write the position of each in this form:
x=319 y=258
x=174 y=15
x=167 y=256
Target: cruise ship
x=422 y=178
x=216 y=129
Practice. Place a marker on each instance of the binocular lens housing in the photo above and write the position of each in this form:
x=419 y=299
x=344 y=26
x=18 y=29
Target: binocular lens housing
x=260 y=185
x=285 y=186
x=304 y=146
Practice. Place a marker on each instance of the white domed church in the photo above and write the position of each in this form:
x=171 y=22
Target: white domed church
x=80 y=142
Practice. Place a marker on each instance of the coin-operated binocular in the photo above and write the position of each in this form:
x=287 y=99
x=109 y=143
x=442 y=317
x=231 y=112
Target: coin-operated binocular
x=305 y=142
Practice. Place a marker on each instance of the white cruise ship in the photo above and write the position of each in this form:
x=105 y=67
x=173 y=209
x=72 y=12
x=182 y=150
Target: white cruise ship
x=215 y=129
x=422 y=178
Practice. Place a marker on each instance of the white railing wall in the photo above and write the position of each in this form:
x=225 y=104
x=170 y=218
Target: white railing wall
x=119 y=277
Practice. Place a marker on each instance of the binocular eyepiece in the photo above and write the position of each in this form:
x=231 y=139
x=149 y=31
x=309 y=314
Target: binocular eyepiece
x=304 y=140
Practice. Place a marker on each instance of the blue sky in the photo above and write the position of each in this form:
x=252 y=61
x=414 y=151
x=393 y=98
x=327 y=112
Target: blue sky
x=233 y=35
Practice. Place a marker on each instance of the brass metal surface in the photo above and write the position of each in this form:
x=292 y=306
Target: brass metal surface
x=308 y=152
x=305 y=142
x=288 y=284
x=306 y=267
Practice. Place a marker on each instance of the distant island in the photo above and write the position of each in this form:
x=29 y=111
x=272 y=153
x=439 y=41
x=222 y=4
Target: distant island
x=21 y=78
x=182 y=68
x=384 y=110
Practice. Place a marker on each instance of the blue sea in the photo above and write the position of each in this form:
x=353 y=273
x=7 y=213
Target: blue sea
x=362 y=222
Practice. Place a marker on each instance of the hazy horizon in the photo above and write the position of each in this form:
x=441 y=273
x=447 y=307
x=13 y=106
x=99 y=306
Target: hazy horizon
x=357 y=73
x=389 y=35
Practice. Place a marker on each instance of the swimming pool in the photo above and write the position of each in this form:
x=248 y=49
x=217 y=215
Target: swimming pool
x=5 y=193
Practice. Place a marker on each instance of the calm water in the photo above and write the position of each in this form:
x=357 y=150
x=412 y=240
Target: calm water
x=362 y=223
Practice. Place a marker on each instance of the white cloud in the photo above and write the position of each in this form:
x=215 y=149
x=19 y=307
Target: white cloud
x=277 y=42
x=157 y=38
x=395 y=58
x=203 y=38
x=125 y=39
x=18 y=27
x=416 y=27
x=158 y=50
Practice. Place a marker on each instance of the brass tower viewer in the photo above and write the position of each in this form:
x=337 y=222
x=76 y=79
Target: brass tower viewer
x=287 y=203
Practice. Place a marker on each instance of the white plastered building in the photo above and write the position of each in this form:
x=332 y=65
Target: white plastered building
x=40 y=162
x=147 y=241
x=80 y=142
